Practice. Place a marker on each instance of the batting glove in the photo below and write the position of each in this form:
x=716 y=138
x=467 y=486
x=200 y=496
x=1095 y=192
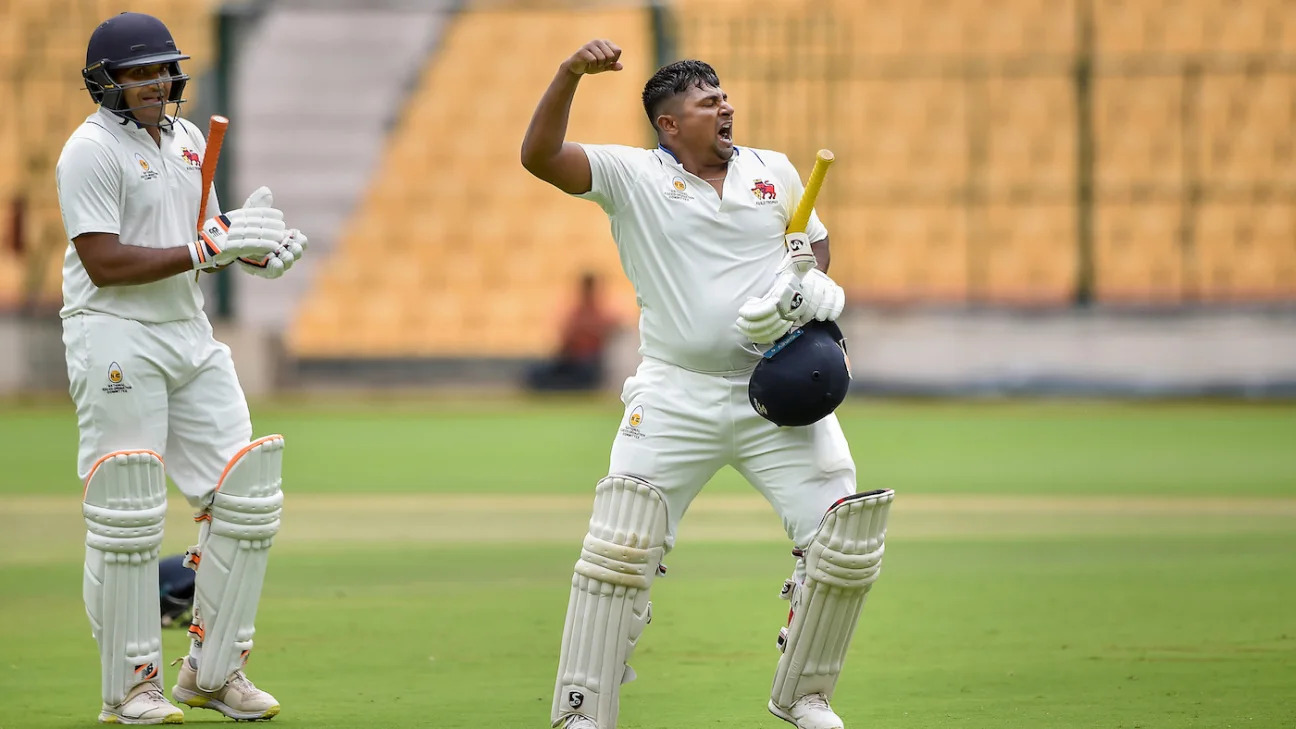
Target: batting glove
x=290 y=250
x=252 y=232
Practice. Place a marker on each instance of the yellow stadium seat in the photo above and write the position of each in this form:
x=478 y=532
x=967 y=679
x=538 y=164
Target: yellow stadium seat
x=1029 y=254
x=1246 y=252
x=1138 y=255
x=1138 y=133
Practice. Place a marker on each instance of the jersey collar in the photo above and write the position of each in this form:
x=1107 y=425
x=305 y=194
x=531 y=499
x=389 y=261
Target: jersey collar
x=129 y=126
x=676 y=162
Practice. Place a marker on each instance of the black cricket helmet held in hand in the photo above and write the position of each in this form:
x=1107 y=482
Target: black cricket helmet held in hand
x=125 y=41
x=803 y=377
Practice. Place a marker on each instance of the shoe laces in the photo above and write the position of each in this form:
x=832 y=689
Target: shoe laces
x=815 y=701
x=240 y=682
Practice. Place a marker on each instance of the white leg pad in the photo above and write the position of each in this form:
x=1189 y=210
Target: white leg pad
x=609 y=604
x=232 y=553
x=841 y=563
x=124 y=508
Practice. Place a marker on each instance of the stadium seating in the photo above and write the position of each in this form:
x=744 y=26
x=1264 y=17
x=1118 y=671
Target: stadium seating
x=457 y=250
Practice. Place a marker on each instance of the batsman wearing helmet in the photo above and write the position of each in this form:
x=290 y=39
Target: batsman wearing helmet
x=700 y=225
x=149 y=381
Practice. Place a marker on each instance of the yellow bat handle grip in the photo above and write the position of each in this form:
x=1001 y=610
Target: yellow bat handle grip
x=801 y=217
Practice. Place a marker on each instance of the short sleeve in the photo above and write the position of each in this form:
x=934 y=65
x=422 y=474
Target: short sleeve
x=815 y=230
x=89 y=188
x=612 y=174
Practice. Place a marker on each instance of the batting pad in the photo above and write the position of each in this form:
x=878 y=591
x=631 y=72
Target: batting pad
x=232 y=552
x=609 y=604
x=124 y=507
x=841 y=563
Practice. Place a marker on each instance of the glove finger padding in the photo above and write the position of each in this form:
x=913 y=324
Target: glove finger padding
x=269 y=267
x=760 y=321
x=825 y=299
x=260 y=198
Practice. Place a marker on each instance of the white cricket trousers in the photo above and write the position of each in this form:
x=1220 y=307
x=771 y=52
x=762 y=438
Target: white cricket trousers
x=680 y=427
x=169 y=387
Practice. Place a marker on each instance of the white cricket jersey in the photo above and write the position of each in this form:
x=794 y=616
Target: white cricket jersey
x=113 y=178
x=694 y=258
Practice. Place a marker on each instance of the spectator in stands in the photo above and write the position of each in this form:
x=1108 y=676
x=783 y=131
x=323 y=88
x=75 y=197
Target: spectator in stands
x=578 y=364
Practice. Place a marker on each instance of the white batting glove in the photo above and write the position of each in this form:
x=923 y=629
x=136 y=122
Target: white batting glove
x=290 y=250
x=800 y=258
x=760 y=320
x=824 y=299
x=252 y=232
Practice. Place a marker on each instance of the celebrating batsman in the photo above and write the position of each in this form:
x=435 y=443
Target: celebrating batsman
x=149 y=380
x=701 y=227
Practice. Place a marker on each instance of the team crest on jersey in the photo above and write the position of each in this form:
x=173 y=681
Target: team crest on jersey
x=631 y=429
x=146 y=172
x=190 y=156
x=764 y=192
x=116 y=380
x=678 y=190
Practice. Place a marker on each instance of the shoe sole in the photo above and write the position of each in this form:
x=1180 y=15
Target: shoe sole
x=106 y=718
x=776 y=711
x=198 y=701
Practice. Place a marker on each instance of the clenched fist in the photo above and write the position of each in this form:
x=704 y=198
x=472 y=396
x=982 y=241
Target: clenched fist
x=596 y=56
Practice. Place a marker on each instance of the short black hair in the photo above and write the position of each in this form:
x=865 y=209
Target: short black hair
x=673 y=79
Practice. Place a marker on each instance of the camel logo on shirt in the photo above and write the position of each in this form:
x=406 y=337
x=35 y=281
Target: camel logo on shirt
x=115 y=377
x=764 y=190
x=190 y=156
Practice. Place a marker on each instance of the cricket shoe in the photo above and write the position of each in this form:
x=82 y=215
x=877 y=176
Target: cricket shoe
x=238 y=699
x=576 y=721
x=808 y=712
x=144 y=704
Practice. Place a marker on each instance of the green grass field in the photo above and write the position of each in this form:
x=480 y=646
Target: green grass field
x=1048 y=565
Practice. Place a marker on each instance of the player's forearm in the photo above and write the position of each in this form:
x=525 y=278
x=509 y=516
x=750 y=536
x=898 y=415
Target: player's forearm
x=548 y=129
x=822 y=254
x=126 y=265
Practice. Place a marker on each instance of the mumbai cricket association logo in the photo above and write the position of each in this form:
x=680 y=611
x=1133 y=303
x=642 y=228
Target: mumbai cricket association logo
x=631 y=428
x=116 y=379
x=764 y=192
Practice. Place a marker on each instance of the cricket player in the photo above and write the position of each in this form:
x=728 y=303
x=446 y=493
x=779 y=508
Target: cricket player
x=700 y=227
x=149 y=381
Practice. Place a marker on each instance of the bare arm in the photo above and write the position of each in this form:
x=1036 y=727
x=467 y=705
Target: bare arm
x=109 y=262
x=822 y=255
x=545 y=151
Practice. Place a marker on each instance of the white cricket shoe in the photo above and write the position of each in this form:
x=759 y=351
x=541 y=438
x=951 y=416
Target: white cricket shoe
x=576 y=721
x=238 y=699
x=144 y=704
x=808 y=712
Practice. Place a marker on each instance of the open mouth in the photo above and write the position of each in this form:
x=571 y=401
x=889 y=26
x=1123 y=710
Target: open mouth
x=726 y=132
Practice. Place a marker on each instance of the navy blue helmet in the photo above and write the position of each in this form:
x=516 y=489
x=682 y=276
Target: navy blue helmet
x=125 y=41
x=175 y=590
x=803 y=377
